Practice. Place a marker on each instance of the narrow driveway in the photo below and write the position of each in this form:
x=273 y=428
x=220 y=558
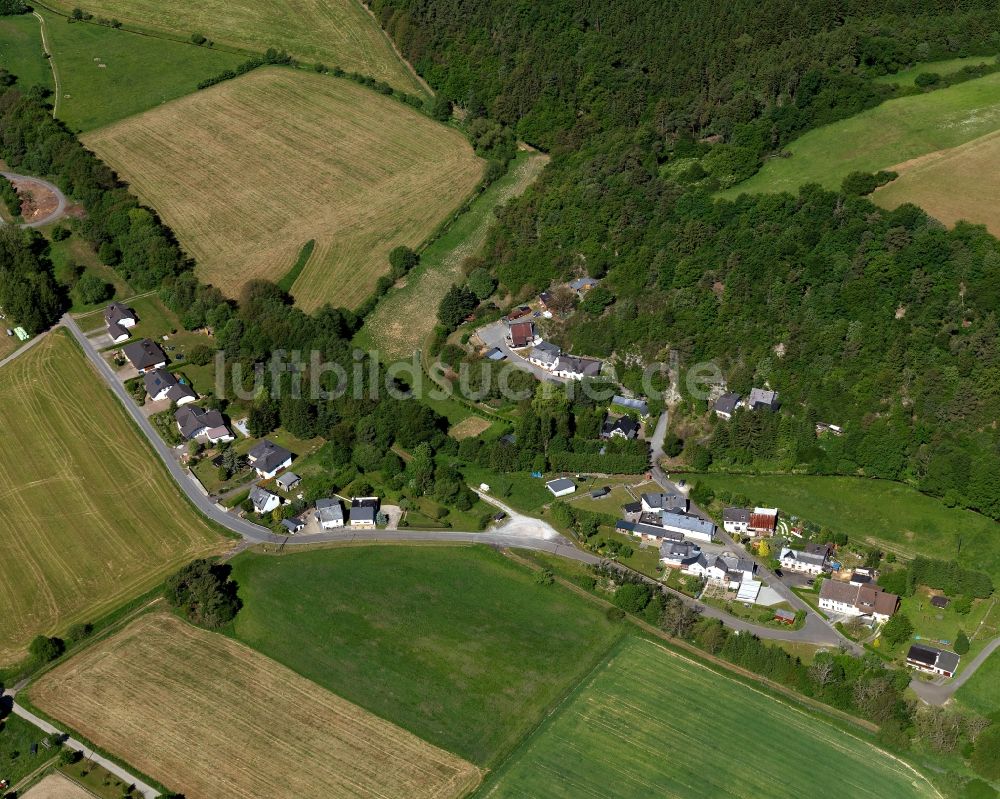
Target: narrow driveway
x=129 y=779
x=60 y=209
x=21 y=350
x=495 y=335
x=937 y=693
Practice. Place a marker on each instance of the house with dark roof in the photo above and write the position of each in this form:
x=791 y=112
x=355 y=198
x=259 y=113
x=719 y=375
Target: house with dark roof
x=267 y=458
x=329 y=513
x=805 y=560
x=194 y=422
x=288 y=481
x=263 y=500
x=656 y=502
x=544 y=354
x=736 y=520
x=145 y=355
x=118 y=333
x=762 y=399
x=496 y=354
x=728 y=569
x=857 y=600
x=293 y=525
x=583 y=284
x=163 y=385
x=572 y=367
x=623 y=427
x=678 y=554
x=725 y=406
x=120 y=315
x=561 y=486
x=363 y=516
x=521 y=334
x=939 y=601
x=932 y=660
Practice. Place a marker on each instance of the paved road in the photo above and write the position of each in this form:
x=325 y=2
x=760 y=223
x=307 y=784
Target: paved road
x=21 y=350
x=60 y=197
x=937 y=693
x=129 y=779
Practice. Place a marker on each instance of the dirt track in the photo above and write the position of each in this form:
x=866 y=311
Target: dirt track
x=48 y=194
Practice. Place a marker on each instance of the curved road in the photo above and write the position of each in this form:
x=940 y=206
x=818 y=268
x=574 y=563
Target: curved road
x=60 y=210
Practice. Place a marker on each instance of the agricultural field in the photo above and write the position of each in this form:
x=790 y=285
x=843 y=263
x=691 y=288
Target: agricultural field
x=950 y=184
x=639 y=726
x=889 y=515
x=907 y=77
x=459 y=645
x=21 y=51
x=211 y=717
x=248 y=171
x=402 y=323
x=107 y=74
x=336 y=32
x=884 y=137
x=90 y=517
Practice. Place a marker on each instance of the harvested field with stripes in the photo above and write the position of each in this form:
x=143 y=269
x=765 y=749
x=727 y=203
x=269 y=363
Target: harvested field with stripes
x=90 y=517
x=212 y=717
x=248 y=171
x=337 y=32
x=652 y=723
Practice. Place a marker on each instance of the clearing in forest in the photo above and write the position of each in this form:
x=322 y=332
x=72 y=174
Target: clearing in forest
x=248 y=171
x=91 y=518
x=650 y=723
x=336 y=32
x=211 y=717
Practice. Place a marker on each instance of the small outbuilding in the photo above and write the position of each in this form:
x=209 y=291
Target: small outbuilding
x=561 y=486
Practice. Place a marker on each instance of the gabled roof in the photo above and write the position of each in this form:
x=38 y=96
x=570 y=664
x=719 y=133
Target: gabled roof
x=545 y=351
x=260 y=497
x=813 y=558
x=292 y=525
x=726 y=403
x=329 y=510
x=922 y=653
x=144 y=354
x=115 y=312
x=116 y=331
x=739 y=515
x=648 y=529
x=762 y=398
x=521 y=333
x=496 y=354
x=268 y=456
x=588 y=367
x=287 y=479
x=158 y=380
x=625 y=425
x=362 y=514
x=583 y=283
x=192 y=420
x=628 y=402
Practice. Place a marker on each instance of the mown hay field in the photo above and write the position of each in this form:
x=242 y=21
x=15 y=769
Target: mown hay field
x=90 y=517
x=335 y=32
x=881 y=137
x=652 y=723
x=248 y=171
x=211 y=717
x=951 y=185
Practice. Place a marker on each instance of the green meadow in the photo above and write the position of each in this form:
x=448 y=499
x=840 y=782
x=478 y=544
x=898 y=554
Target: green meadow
x=652 y=723
x=949 y=66
x=882 y=137
x=459 y=645
x=21 y=51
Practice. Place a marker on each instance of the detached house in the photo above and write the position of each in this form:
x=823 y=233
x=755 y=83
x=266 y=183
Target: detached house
x=119 y=334
x=194 y=422
x=726 y=405
x=728 y=569
x=736 y=520
x=812 y=559
x=145 y=355
x=161 y=385
x=521 y=334
x=571 y=367
x=932 y=660
x=545 y=355
x=654 y=503
x=858 y=600
x=364 y=511
x=583 y=284
x=329 y=513
x=762 y=399
x=263 y=500
x=267 y=458
x=679 y=554
x=624 y=427
x=118 y=314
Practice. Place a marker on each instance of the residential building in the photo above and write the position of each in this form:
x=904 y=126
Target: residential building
x=637 y=405
x=656 y=502
x=145 y=355
x=162 y=385
x=293 y=525
x=725 y=406
x=545 y=355
x=932 y=660
x=583 y=284
x=736 y=521
x=727 y=569
x=521 y=334
x=811 y=559
x=194 y=422
x=329 y=513
x=561 y=486
x=118 y=314
x=572 y=367
x=763 y=521
x=263 y=500
x=678 y=554
x=648 y=533
x=861 y=577
x=762 y=399
x=363 y=515
x=690 y=526
x=268 y=459
x=623 y=427
x=119 y=334
x=857 y=600
x=288 y=481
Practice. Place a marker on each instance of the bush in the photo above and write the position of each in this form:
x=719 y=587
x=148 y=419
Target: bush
x=90 y=289
x=859 y=184
x=12 y=7
x=78 y=632
x=402 y=260
x=44 y=649
x=898 y=629
x=198 y=39
x=633 y=597
x=60 y=233
x=204 y=593
x=926 y=79
x=961 y=643
x=201 y=355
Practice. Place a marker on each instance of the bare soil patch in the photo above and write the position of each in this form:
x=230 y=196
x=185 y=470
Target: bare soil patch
x=37 y=200
x=56 y=786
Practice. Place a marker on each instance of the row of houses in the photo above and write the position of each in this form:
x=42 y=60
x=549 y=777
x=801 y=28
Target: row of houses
x=329 y=513
x=546 y=355
x=659 y=517
x=758 y=400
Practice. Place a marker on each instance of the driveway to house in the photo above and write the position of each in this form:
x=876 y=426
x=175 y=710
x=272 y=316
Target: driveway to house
x=60 y=209
x=495 y=335
x=941 y=690
x=129 y=779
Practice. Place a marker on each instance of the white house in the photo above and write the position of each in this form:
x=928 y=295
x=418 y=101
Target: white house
x=656 y=502
x=571 y=367
x=263 y=500
x=687 y=524
x=544 y=354
x=118 y=314
x=194 y=422
x=119 y=333
x=736 y=521
x=728 y=569
x=267 y=458
x=163 y=385
x=725 y=406
x=364 y=511
x=857 y=600
x=561 y=486
x=293 y=525
x=812 y=559
x=329 y=514
x=932 y=660
x=622 y=427
x=678 y=554
x=145 y=355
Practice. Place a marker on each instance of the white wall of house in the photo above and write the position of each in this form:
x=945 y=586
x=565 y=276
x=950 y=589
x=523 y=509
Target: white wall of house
x=736 y=527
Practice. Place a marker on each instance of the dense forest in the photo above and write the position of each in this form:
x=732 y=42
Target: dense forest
x=881 y=322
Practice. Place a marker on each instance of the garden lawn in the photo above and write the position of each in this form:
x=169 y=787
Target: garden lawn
x=652 y=723
x=883 y=137
x=21 y=51
x=982 y=692
x=107 y=74
x=16 y=760
x=456 y=644
x=889 y=515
